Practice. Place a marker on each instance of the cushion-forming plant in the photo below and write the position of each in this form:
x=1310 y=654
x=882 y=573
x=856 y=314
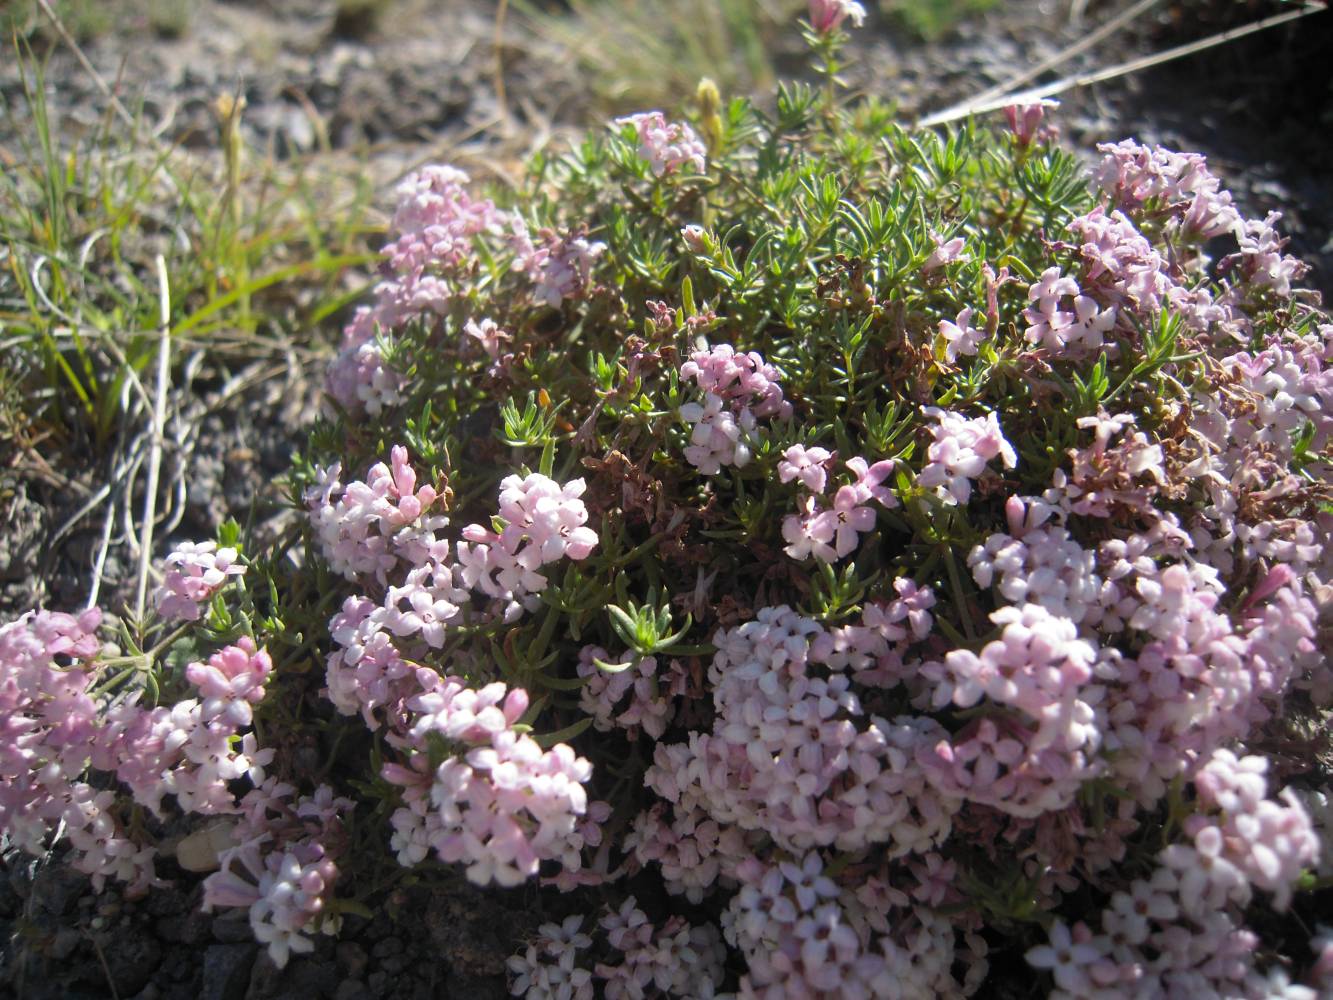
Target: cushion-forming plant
x=887 y=548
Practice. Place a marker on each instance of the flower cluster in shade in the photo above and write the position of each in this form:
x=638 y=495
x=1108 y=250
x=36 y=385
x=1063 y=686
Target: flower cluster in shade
x=500 y=803
x=738 y=390
x=638 y=958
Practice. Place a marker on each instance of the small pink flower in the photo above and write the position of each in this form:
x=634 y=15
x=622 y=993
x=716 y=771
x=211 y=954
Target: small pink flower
x=1025 y=119
x=944 y=252
x=827 y=15
x=667 y=146
x=806 y=465
x=960 y=336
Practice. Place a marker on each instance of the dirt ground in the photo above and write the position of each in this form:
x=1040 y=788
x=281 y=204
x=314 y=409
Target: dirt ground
x=420 y=87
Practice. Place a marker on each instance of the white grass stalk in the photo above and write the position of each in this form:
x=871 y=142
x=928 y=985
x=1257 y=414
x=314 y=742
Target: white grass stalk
x=159 y=422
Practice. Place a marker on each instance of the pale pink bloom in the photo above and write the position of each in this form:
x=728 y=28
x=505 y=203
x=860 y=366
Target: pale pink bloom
x=232 y=681
x=804 y=464
x=810 y=534
x=849 y=519
x=1067 y=957
x=195 y=571
x=667 y=146
x=869 y=479
x=487 y=334
x=945 y=252
x=960 y=336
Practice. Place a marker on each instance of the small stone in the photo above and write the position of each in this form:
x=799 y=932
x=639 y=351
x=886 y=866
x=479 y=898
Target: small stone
x=131 y=958
x=226 y=973
x=64 y=944
x=389 y=946
x=352 y=989
x=352 y=959
x=56 y=889
x=201 y=850
x=233 y=927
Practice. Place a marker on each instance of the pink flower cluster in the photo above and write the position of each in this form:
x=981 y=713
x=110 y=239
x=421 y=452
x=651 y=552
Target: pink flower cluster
x=560 y=267
x=280 y=869
x=231 y=682
x=1177 y=931
x=805 y=935
x=195 y=571
x=48 y=723
x=1058 y=329
x=792 y=753
x=1034 y=762
x=962 y=449
x=543 y=522
x=830 y=535
x=738 y=389
x=667 y=146
x=368 y=528
x=677 y=959
x=652 y=693
x=500 y=807
x=1179 y=186
x=1260 y=263
x=432 y=240
x=55 y=729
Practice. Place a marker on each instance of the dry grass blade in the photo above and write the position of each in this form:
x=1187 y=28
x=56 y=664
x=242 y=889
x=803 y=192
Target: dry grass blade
x=121 y=112
x=975 y=106
x=1121 y=20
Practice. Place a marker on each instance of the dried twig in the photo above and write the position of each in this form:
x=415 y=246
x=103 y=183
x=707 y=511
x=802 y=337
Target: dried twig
x=88 y=67
x=1068 y=52
x=973 y=107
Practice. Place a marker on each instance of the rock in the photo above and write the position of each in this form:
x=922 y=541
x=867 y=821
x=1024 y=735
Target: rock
x=55 y=888
x=233 y=927
x=310 y=976
x=192 y=928
x=65 y=943
x=389 y=946
x=131 y=959
x=352 y=959
x=353 y=989
x=227 y=970
x=199 y=852
x=378 y=984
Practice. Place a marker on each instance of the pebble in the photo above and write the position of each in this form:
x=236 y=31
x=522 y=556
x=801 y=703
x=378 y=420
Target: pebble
x=352 y=959
x=226 y=972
